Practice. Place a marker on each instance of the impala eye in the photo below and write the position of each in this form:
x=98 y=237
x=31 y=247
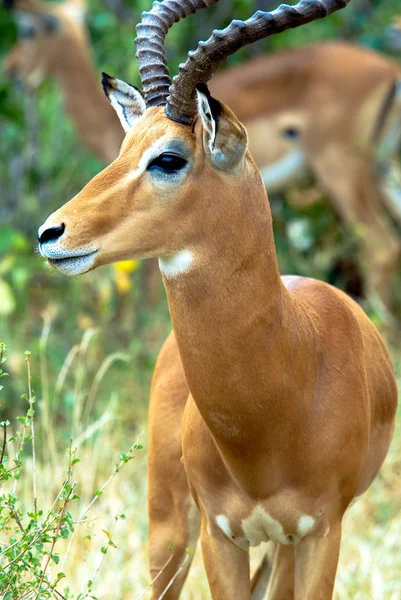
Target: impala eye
x=291 y=133
x=167 y=162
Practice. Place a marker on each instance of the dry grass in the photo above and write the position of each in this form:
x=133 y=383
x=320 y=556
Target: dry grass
x=370 y=565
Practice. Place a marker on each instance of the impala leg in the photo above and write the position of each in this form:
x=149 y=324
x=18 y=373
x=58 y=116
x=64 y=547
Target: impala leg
x=316 y=562
x=384 y=261
x=227 y=566
x=173 y=516
x=282 y=578
x=173 y=523
x=355 y=191
x=173 y=529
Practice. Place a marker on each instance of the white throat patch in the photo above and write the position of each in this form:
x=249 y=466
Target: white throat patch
x=176 y=264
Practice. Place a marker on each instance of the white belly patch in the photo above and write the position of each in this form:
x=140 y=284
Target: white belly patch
x=260 y=527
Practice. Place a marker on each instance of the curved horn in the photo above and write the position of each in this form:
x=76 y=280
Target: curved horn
x=203 y=62
x=151 y=55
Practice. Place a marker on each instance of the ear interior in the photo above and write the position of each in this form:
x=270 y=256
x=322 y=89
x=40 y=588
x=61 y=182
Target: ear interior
x=225 y=139
x=209 y=110
x=127 y=100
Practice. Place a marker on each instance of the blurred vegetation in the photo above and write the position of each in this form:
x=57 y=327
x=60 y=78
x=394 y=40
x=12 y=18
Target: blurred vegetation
x=73 y=327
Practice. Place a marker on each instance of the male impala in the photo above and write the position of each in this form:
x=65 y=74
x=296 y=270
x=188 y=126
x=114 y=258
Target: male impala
x=291 y=393
x=304 y=110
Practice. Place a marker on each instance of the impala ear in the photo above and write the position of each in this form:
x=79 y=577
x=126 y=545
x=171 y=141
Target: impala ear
x=126 y=100
x=225 y=139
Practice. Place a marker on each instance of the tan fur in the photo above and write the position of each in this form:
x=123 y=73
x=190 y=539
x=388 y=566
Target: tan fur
x=332 y=93
x=282 y=386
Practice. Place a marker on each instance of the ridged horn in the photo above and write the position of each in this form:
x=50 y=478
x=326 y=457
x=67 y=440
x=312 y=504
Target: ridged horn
x=204 y=61
x=151 y=35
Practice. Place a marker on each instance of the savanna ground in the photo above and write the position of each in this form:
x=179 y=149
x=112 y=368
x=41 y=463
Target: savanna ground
x=93 y=342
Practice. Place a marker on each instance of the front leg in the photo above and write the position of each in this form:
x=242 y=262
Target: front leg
x=227 y=565
x=316 y=560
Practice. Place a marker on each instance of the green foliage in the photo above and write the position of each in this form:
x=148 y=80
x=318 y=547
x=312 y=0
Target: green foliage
x=31 y=534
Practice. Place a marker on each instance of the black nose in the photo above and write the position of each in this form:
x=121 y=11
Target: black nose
x=51 y=234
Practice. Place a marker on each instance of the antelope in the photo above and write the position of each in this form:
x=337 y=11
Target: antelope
x=305 y=109
x=54 y=42
x=277 y=392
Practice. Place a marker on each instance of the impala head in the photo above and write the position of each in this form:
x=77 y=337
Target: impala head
x=46 y=32
x=157 y=195
x=183 y=164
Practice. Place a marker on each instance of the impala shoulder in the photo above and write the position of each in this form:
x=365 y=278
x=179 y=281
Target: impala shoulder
x=327 y=312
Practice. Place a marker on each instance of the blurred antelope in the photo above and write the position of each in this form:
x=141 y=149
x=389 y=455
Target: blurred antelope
x=53 y=42
x=287 y=406
x=332 y=111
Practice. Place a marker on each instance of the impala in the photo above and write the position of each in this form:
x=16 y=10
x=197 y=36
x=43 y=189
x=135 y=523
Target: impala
x=54 y=42
x=277 y=391
x=304 y=110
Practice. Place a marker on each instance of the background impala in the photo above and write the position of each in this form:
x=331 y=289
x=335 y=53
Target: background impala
x=85 y=382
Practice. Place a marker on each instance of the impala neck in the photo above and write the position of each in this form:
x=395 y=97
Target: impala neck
x=229 y=310
x=96 y=122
